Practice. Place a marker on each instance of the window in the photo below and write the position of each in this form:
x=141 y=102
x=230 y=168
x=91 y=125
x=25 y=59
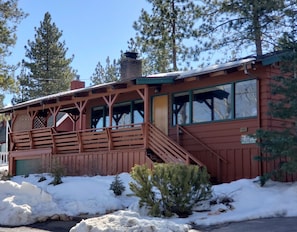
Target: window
x=246 y=99
x=124 y=113
x=98 y=117
x=212 y=104
x=138 y=111
x=222 y=102
x=181 y=108
x=121 y=114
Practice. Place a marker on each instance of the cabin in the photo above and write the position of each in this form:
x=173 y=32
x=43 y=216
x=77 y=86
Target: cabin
x=204 y=117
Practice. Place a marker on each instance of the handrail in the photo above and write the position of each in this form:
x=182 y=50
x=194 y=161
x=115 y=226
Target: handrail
x=180 y=128
x=167 y=148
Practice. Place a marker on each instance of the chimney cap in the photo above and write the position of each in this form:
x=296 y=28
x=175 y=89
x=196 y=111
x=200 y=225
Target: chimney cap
x=132 y=55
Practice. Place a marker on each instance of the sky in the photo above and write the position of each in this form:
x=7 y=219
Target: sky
x=92 y=29
x=24 y=200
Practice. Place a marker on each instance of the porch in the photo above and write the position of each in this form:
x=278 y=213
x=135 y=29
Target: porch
x=104 y=151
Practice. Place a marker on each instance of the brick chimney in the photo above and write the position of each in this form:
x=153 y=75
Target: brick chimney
x=77 y=84
x=131 y=67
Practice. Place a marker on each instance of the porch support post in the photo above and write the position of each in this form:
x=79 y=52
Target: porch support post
x=110 y=101
x=54 y=111
x=81 y=106
x=146 y=104
x=32 y=114
x=146 y=115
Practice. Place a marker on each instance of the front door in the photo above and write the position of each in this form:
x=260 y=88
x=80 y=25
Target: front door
x=160 y=112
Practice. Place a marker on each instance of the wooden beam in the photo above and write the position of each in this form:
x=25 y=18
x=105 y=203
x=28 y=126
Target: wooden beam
x=190 y=79
x=219 y=73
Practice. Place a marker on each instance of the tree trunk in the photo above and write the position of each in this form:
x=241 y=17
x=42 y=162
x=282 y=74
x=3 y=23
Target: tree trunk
x=174 y=63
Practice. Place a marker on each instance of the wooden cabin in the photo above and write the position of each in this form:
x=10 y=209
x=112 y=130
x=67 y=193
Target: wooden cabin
x=203 y=117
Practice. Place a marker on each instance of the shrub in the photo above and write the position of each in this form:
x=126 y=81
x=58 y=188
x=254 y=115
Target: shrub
x=42 y=178
x=117 y=186
x=57 y=173
x=170 y=188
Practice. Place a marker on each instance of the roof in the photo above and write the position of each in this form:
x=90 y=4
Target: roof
x=53 y=96
x=216 y=68
x=160 y=78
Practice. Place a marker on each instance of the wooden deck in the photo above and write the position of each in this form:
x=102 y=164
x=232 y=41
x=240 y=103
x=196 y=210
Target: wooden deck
x=90 y=140
x=102 y=151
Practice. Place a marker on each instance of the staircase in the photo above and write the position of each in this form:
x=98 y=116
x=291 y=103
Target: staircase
x=167 y=149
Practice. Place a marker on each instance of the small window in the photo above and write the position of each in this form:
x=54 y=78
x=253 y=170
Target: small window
x=246 y=99
x=181 y=108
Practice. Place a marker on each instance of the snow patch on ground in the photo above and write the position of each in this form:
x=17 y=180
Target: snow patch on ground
x=25 y=200
x=129 y=222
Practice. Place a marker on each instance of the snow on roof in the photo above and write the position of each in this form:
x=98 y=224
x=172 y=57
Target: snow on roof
x=204 y=70
x=53 y=96
x=176 y=75
x=169 y=74
x=215 y=68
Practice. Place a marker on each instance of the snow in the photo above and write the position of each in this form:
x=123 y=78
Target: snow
x=24 y=201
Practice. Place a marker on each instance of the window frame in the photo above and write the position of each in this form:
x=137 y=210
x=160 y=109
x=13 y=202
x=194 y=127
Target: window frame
x=232 y=103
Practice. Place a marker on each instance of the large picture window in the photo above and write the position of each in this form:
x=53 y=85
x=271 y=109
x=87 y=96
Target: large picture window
x=212 y=104
x=222 y=102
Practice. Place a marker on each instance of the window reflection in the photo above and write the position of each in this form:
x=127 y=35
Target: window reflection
x=246 y=99
x=223 y=102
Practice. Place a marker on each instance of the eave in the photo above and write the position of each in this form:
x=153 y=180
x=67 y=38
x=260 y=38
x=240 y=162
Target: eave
x=154 y=81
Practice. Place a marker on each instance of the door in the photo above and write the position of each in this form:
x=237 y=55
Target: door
x=160 y=112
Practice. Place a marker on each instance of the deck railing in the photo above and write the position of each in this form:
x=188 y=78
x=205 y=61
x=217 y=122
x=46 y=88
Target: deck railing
x=106 y=139
x=134 y=136
x=168 y=149
x=219 y=159
x=3 y=158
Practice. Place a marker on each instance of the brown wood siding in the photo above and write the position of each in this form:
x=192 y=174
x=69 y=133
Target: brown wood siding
x=22 y=121
x=89 y=163
x=224 y=139
x=223 y=136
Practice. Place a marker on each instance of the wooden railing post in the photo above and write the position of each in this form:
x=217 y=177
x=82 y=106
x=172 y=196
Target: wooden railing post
x=80 y=143
x=53 y=140
x=145 y=132
x=110 y=142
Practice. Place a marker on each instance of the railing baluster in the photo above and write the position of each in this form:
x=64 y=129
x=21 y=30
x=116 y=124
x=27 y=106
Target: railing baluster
x=3 y=158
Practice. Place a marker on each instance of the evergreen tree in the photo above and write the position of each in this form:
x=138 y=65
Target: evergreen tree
x=49 y=70
x=23 y=83
x=240 y=24
x=163 y=34
x=10 y=17
x=109 y=73
x=280 y=145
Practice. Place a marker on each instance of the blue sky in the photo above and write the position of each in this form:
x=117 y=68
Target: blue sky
x=92 y=29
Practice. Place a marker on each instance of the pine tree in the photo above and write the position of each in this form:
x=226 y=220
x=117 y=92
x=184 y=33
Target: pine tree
x=109 y=73
x=241 y=24
x=49 y=70
x=280 y=145
x=23 y=81
x=163 y=34
x=10 y=17
x=170 y=188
